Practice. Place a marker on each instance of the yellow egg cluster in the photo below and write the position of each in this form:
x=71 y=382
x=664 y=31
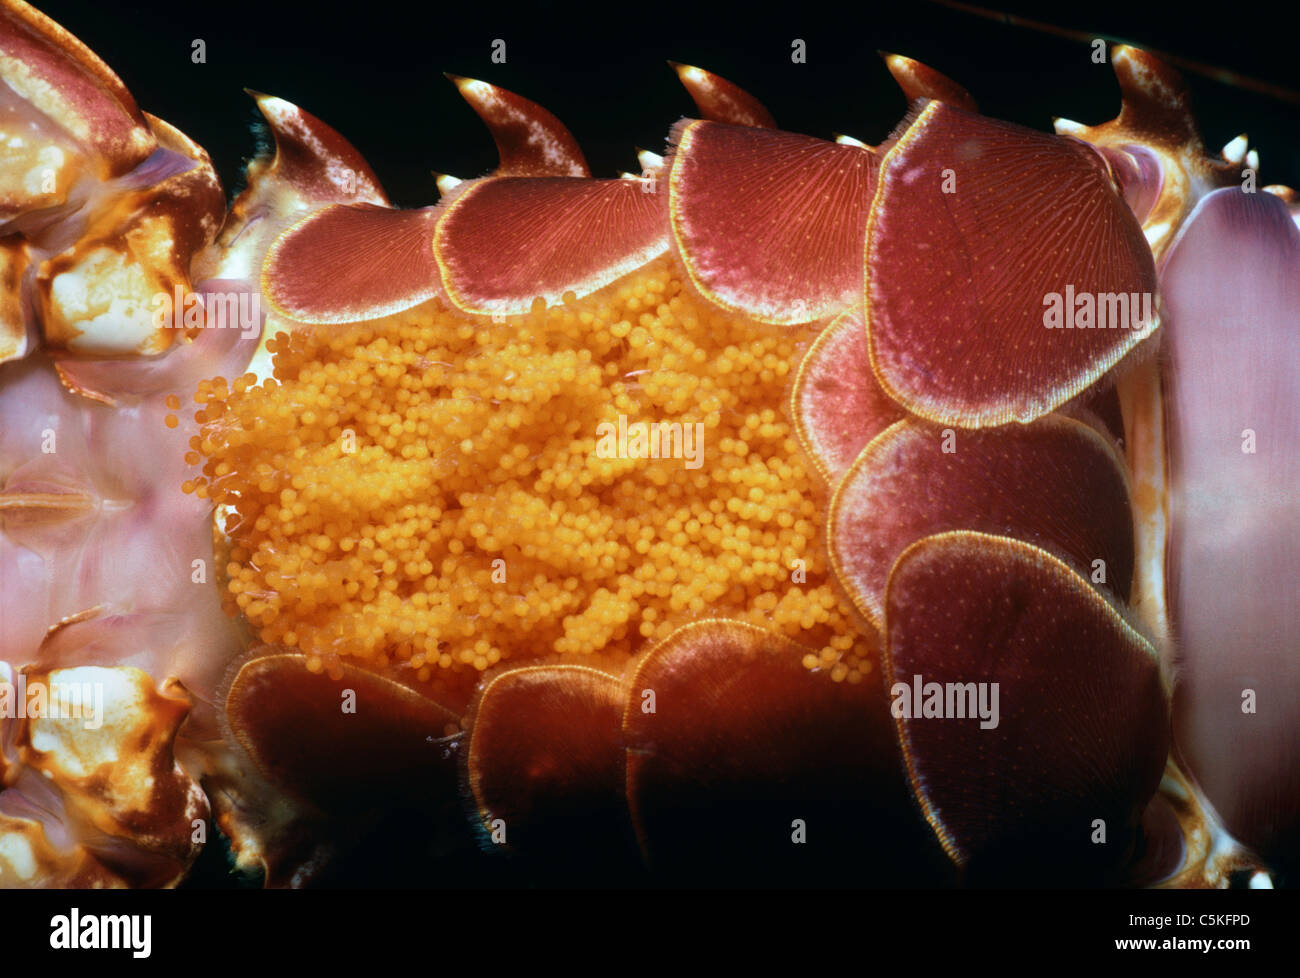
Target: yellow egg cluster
x=432 y=492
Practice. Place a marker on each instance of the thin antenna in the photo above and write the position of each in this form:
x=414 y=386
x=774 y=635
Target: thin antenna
x=1222 y=75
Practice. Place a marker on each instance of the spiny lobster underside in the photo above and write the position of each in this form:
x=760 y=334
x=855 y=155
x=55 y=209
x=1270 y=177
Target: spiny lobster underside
x=735 y=519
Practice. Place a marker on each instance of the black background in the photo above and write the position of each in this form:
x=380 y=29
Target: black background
x=374 y=71
x=672 y=932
